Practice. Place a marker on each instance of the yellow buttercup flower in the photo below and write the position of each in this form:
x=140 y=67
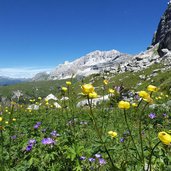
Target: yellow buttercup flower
x=111 y=91
x=124 y=105
x=152 y=88
x=92 y=95
x=165 y=138
x=134 y=104
x=39 y=98
x=14 y=119
x=6 y=122
x=105 y=82
x=143 y=94
x=0 y=119
x=87 y=88
x=112 y=134
x=68 y=83
x=64 y=89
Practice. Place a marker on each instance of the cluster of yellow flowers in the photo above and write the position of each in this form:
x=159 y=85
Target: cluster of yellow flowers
x=65 y=89
x=112 y=134
x=146 y=96
x=88 y=89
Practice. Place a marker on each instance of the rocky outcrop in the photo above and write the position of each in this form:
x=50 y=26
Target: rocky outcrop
x=163 y=33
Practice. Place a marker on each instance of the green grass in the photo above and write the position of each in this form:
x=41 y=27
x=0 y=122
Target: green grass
x=84 y=131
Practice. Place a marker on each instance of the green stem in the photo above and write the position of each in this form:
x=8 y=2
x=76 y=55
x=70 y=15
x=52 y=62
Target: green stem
x=140 y=134
x=149 y=164
x=99 y=135
x=126 y=121
x=2 y=139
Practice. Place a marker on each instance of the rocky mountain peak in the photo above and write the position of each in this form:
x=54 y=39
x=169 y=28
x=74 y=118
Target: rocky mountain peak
x=163 y=33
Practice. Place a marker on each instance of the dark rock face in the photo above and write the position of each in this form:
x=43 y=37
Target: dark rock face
x=163 y=34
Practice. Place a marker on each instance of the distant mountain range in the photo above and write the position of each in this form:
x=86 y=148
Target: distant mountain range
x=4 y=81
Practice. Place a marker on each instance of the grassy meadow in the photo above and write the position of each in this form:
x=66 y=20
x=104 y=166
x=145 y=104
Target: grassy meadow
x=128 y=132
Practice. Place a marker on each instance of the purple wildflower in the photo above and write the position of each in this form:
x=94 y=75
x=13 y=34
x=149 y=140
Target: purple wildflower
x=82 y=158
x=152 y=115
x=102 y=161
x=29 y=147
x=98 y=155
x=164 y=115
x=54 y=134
x=122 y=139
x=37 y=125
x=32 y=142
x=91 y=159
x=48 y=141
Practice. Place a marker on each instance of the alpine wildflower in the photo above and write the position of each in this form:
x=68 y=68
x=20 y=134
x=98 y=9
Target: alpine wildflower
x=124 y=105
x=152 y=88
x=87 y=88
x=112 y=134
x=165 y=138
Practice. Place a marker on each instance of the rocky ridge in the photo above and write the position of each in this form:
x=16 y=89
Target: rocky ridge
x=116 y=62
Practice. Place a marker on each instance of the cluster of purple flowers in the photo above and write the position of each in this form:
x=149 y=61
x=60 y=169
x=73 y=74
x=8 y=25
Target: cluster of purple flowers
x=98 y=158
x=37 y=125
x=48 y=141
x=30 y=144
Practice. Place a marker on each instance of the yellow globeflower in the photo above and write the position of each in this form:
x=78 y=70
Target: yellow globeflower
x=39 y=98
x=111 y=91
x=105 y=82
x=124 y=105
x=6 y=122
x=92 y=95
x=165 y=138
x=152 y=88
x=64 y=89
x=14 y=119
x=134 y=104
x=68 y=83
x=0 y=119
x=87 y=88
x=112 y=134
x=143 y=94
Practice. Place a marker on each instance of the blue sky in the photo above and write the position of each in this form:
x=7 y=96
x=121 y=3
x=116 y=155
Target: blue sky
x=40 y=34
